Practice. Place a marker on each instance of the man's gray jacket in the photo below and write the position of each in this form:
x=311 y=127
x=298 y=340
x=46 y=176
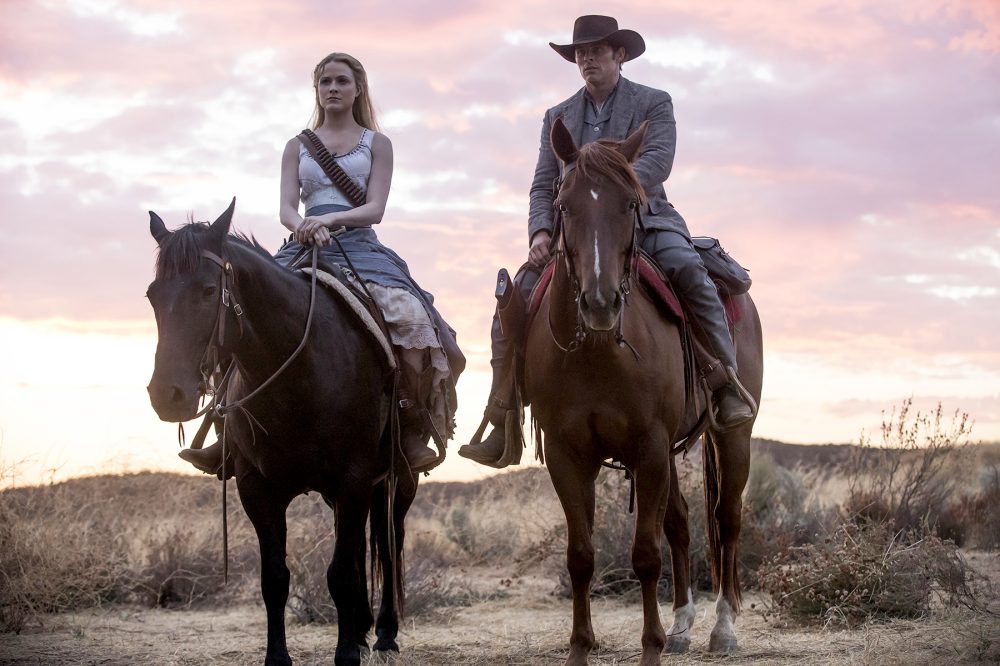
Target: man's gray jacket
x=633 y=104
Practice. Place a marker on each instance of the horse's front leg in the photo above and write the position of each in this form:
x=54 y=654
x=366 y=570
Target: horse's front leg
x=573 y=480
x=343 y=577
x=651 y=488
x=265 y=506
x=675 y=527
x=732 y=451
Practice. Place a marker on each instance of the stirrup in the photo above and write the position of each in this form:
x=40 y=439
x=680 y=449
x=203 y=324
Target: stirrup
x=741 y=391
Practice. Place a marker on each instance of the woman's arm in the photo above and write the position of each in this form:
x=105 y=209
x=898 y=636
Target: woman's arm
x=379 y=182
x=288 y=210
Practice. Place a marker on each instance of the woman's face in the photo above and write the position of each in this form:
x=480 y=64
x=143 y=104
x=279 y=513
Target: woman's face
x=336 y=88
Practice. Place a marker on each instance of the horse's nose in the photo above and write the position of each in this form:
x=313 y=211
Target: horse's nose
x=168 y=400
x=600 y=312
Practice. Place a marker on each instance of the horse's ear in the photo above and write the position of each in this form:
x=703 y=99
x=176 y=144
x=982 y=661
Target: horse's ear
x=630 y=146
x=157 y=228
x=221 y=226
x=563 y=144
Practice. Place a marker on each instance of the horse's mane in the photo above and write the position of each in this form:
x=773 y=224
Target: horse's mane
x=181 y=250
x=602 y=158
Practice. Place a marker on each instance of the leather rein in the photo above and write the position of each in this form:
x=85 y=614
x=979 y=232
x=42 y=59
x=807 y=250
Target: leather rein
x=624 y=287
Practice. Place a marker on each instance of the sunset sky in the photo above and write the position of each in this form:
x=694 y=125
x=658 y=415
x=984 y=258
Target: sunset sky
x=846 y=151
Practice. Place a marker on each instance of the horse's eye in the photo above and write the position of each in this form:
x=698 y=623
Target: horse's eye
x=632 y=205
x=562 y=208
x=208 y=291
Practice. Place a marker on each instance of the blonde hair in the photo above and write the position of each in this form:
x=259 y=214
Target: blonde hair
x=363 y=109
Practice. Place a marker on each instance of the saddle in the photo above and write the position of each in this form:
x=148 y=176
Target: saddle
x=700 y=365
x=656 y=285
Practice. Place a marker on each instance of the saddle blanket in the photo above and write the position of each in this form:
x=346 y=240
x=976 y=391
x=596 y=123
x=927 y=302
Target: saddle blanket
x=359 y=309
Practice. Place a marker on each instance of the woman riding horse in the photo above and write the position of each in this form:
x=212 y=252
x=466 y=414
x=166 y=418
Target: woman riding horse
x=345 y=124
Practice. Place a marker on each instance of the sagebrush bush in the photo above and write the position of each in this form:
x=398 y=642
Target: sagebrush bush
x=865 y=572
x=979 y=513
x=910 y=479
x=778 y=513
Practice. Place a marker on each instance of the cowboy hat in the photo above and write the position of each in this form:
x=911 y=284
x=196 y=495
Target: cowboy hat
x=594 y=28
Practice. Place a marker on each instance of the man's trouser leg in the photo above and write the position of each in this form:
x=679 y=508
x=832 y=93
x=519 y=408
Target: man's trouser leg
x=680 y=262
x=501 y=400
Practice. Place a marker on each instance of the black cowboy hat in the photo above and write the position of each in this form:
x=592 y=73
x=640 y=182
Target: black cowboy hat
x=594 y=28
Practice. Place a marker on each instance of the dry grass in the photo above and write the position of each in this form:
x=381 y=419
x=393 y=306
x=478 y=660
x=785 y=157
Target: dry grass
x=484 y=560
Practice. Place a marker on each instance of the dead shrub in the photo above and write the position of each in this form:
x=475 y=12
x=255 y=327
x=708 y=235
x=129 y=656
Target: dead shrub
x=308 y=555
x=778 y=513
x=910 y=479
x=431 y=588
x=865 y=572
x=52 y=557
x=978 y=513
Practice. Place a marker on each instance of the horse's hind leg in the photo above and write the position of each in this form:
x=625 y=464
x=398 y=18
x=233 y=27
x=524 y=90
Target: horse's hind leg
x=390 y=554
x=363 y=619
x=343 y=576
x=265 y=506
x=574 y=484
x=727 y=467
x=651 y=488
x=675 y=527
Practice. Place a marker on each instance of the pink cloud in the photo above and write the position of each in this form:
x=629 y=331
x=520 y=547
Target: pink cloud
x=838 y=149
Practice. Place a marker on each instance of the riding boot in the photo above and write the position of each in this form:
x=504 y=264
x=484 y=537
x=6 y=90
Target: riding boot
x=500 y=408
x=414 y=394
x=733 y=406
x=731 y=410
x=490 y=451
x=208 y=460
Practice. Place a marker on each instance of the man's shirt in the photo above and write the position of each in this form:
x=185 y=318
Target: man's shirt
x=597 y=121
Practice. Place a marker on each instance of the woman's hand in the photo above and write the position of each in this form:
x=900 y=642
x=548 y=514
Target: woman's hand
x=313 y=230
x=539 y=253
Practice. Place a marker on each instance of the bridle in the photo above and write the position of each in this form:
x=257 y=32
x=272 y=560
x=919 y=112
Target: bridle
x=581 y=330
x=213 y=355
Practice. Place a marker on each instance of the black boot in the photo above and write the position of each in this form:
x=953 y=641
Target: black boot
x=731 y=409
x=414 y=395
x=208 y=460
x=490 y=451
x=734 y=405
x=413 y=439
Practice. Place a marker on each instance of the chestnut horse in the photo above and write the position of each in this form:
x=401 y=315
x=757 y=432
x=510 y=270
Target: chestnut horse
x=320 y=425
x=605 y=373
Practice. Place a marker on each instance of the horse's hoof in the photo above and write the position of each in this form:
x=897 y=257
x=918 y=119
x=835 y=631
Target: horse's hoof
x=386 y=645
x=722 y=644
x=677 y=645
x=282 y=660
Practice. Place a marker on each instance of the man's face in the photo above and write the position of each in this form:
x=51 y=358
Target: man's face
x=599 y=63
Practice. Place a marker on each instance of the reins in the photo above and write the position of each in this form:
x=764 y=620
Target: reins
x=210 y=363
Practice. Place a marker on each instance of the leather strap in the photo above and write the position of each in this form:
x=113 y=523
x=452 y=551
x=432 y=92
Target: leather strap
x=334 y=172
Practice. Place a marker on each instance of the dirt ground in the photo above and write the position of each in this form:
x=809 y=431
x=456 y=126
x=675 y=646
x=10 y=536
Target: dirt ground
x=527 y=626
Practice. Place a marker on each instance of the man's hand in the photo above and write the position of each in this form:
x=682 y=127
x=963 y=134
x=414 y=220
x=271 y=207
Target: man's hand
x=539 y=253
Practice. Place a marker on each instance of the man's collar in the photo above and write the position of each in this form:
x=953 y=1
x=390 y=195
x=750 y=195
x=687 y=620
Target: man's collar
x=590 y=98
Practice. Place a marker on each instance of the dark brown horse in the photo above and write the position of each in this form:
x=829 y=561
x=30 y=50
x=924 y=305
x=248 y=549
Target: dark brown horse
x=320 y=425
x=605 y=374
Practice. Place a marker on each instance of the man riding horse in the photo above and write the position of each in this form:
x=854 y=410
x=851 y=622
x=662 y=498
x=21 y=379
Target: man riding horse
x=610 y=106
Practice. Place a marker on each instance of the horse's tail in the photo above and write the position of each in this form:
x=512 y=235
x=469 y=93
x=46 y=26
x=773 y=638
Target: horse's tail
x=711 y=464
x=386 y=559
